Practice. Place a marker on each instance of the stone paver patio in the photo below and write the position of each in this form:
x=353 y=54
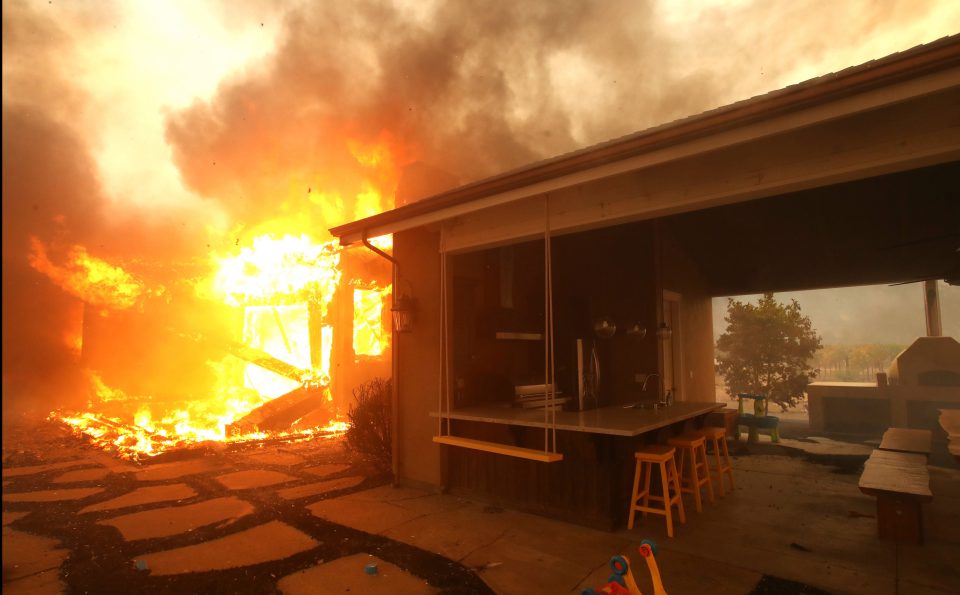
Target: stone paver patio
x=302 y=518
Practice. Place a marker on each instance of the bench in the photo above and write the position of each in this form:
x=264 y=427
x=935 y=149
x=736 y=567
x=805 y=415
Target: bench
x=501 y=449
x=907 y=440
x=901 y=484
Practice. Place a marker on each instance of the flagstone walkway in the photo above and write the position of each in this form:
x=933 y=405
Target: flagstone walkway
x=75 y=519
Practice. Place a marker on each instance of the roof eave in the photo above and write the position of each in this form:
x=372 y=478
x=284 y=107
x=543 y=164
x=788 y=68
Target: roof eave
x=917 y=62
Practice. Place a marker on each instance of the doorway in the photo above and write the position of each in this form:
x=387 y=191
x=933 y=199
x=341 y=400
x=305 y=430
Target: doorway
x=671 y=342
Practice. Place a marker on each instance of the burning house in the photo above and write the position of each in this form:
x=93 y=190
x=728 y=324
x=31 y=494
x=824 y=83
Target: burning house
x=272 y=342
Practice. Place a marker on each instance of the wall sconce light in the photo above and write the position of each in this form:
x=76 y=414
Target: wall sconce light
x=664 y=332
x=637 y=331
x=403 y=311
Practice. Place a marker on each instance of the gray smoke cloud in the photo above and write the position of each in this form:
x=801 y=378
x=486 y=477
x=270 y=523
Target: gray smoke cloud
x=476 y=89
x=48 y=191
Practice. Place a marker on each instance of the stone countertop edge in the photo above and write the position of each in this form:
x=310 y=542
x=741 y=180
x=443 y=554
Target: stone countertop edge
x=613 y=420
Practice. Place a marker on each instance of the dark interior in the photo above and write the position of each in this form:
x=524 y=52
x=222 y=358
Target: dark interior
x=498 y=312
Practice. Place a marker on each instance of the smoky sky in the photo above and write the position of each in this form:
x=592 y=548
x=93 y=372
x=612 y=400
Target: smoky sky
x=478 y=88
x=891 y=314
x=441 y=90
x=462 y=91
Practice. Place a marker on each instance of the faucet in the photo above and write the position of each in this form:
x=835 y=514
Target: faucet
x=647 y=379
x=640 y=404
x=663 y=400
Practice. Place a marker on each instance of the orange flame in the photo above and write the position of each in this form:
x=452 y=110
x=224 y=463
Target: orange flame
x=281 y=284
x=91 y=279
x=368 y=331
x=274 y=270
x=73 y=333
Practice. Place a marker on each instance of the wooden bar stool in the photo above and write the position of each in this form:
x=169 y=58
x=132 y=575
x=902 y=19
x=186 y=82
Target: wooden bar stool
x=692 y=444
x=717 y=437
x=663 y=457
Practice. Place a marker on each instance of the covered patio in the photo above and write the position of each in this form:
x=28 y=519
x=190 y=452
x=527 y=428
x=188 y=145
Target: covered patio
x=846 y=179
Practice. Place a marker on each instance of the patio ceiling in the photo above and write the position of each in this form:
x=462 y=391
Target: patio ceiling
x=889 y=229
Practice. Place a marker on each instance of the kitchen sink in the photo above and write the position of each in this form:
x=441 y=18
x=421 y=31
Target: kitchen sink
x=644 y=405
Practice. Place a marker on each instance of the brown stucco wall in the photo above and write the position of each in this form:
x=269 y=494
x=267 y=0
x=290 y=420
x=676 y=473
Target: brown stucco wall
x=683 y=275
x=417 y=251
x=615 y=268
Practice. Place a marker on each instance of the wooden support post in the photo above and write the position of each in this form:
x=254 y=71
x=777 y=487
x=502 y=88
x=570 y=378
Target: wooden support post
x=899 y=518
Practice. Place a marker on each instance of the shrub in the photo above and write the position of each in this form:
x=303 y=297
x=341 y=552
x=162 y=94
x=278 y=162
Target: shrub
x=369 y=433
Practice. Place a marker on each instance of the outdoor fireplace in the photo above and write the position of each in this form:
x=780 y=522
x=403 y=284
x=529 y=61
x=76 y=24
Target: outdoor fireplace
x=922 y=379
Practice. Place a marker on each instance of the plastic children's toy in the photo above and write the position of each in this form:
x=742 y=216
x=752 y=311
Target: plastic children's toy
x=621 y=582
x=758 y=420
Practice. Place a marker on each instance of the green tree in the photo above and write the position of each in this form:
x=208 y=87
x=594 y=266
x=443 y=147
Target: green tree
x=766 y=349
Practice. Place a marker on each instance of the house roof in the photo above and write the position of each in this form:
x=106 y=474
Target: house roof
x=898 y=67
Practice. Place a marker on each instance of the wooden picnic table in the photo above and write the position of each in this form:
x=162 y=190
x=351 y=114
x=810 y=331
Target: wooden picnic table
x=906 y=440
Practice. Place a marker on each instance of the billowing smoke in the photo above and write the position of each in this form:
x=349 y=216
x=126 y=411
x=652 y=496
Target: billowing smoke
x=52 y=196
x=465 y=91
x=49 y=190
x=357 y=100
x=468 y=90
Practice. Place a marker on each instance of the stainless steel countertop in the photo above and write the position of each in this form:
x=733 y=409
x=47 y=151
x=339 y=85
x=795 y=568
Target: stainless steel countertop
x=613 y=420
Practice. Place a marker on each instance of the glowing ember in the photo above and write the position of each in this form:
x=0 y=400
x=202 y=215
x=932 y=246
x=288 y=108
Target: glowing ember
x=336 y=427
x=135 y=441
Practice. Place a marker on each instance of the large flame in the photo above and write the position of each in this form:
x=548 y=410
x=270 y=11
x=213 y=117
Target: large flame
x=281 y=284
x=288 y=268
x=368 y=335
x=91 y=279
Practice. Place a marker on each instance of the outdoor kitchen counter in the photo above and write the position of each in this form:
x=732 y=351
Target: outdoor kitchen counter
x=613 y=420
x=590 y=485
